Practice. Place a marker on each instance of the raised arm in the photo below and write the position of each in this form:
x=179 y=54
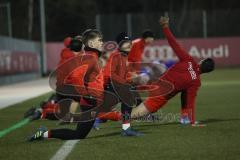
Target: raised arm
x=181 y=53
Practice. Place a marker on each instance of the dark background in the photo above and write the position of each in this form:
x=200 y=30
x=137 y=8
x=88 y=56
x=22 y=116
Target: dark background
x=71 y=17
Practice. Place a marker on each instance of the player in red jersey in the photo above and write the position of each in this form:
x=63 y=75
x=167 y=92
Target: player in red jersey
x=73 y=47
x=117 y=82
x=86 y=82
x=138 y=45
x=184 y=75
x=47 y=109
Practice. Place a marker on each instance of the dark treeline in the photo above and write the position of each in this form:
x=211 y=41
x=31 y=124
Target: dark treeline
x=71 y=17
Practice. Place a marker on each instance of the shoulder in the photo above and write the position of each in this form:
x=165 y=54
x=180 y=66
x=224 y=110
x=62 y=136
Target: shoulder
x=90 y=55
x=66 y=53
x=115 y=54
x=138 y=41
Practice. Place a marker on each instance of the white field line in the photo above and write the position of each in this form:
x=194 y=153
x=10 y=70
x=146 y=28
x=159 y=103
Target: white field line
x=65 y=150
x=220 y=83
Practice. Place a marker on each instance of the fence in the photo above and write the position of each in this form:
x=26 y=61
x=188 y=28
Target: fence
x=5 y=19
x=185 y=24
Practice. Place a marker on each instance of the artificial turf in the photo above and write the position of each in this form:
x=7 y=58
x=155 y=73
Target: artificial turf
x=217 y=106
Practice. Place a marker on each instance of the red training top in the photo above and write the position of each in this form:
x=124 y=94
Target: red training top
x=184 y=75
x=135 y=55
x=116 y=68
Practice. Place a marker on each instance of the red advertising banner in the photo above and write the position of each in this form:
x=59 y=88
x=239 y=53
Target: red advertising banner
x=13 y=62
x=225 y=51
x=53 y=51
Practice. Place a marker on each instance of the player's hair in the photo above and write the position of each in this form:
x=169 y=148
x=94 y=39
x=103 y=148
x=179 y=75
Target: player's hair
x=90 y=34
x=75 y=45
x=207 y=65
x=147 y=34
x=78 y=37
x=122 y=37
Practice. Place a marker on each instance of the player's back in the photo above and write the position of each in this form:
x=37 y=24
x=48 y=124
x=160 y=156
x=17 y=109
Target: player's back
x=135 y=55
x=186 y=73
x=183 y=75
x=116 y=60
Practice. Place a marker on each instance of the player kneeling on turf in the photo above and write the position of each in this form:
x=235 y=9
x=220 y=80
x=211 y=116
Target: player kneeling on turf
x=86 y=83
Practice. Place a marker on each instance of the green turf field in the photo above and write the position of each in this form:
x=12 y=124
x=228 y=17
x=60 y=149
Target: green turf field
x=217 y=105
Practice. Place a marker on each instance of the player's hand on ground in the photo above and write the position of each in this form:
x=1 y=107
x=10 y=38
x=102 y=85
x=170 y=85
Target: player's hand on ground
x=164 y=21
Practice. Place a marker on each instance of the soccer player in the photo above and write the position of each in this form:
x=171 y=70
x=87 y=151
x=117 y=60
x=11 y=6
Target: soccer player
x=73 y=47
x=138 y=45
x=116 y=81
x=87 y=82
x=47 y=109
x=184 y=75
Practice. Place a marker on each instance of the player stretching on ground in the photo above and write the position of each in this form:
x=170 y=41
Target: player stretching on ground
x=116 y=81
x=184 y=75
x=87 y=84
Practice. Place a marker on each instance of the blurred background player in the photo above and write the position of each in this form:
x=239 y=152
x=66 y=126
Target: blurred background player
x=146 y=72
x=138 y=45
x=184 y=75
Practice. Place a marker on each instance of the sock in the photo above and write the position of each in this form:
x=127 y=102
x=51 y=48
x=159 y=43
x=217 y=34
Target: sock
x=125 y=126
x=46 y=134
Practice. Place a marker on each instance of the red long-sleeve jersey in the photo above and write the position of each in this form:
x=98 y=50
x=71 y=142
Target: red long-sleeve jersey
x=135 y=55
x=83 y=72
x=65 y=55
x=93 y=77
x=116 y=68
x=184 y=75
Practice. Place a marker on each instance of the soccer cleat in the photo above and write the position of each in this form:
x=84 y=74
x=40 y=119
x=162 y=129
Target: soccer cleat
x=185 y=120
x=198 y=124
x=38 y=135
x=131 y=132
x=36 y=115
x=97 y=124
x=29 y=112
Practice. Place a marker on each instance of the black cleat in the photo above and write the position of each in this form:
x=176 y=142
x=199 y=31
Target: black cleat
x=38 y=135
x=29 y=112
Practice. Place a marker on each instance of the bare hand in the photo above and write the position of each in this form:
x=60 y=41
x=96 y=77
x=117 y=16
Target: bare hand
x=164 y=21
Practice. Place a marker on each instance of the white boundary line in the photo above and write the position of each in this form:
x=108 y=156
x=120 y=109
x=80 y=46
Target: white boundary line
x=220 y=83
x=65 y=150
